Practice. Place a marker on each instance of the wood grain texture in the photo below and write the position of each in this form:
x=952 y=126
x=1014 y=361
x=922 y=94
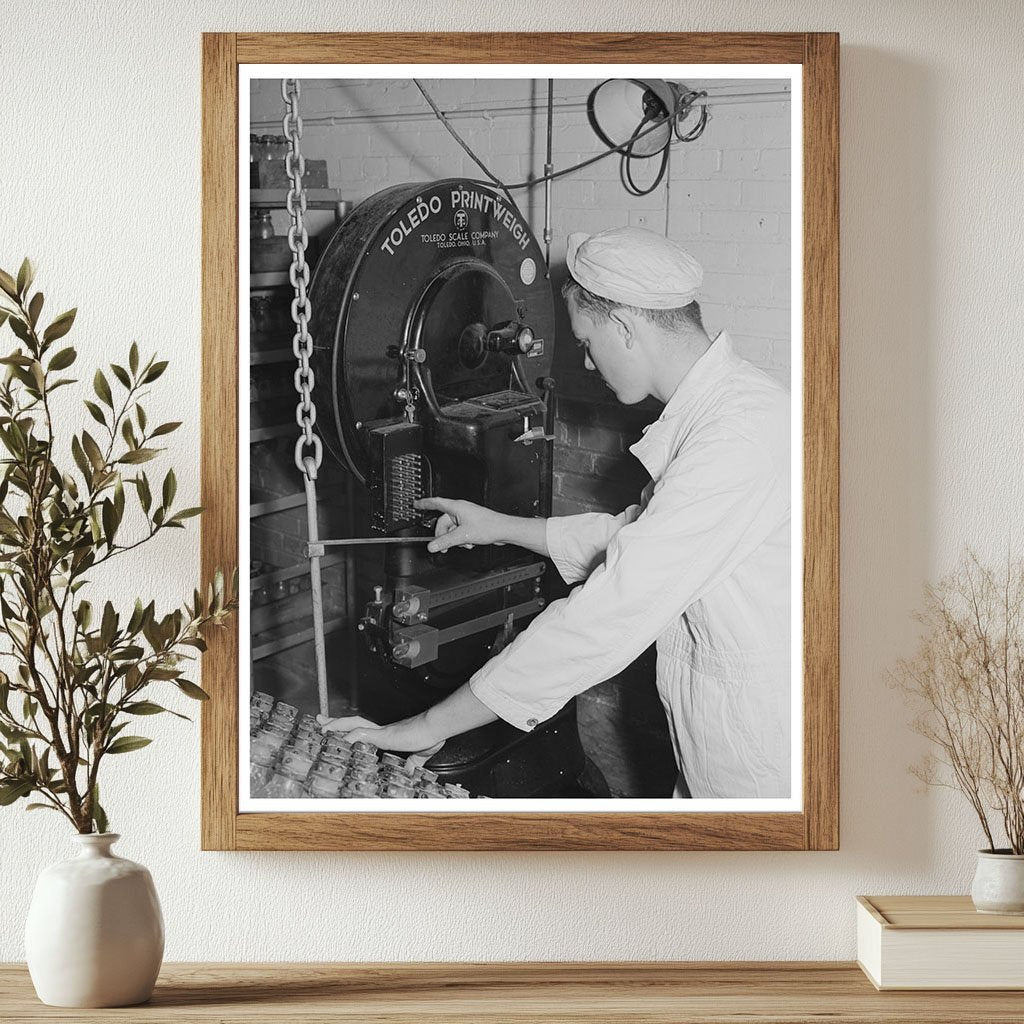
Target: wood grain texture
x=219 y=430
x=936 y=912
x=520 y=47
x=818 y=826
x=445 y=831
x=617 y=993
x=821 y=440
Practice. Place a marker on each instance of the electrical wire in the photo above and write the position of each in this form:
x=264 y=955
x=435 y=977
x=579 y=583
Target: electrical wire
x=458 y=138
x=685 y=105
x=491 y=111
x=583 y=163
x=682 y=110
x=668 y=192
x=621 y=148
x=626 y=166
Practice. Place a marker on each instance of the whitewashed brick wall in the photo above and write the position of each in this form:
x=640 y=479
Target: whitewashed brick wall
x=728 y=200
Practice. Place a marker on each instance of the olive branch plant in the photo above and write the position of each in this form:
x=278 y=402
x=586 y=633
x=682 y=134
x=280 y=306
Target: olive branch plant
x=967 y=682
x=80 y=673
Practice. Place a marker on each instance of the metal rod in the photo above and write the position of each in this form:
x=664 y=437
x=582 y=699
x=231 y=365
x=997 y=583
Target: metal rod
x=351 y=541
x=469 y=628
x=549 y=168
x=351 y=607
x=475 y=588
x=316 y=593
x=668 y=190
x=513 y=110
x=547 y=453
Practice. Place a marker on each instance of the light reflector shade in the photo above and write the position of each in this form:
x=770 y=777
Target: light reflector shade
x=620 y=108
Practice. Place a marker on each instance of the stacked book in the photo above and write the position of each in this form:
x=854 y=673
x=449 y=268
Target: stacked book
x=938 y=942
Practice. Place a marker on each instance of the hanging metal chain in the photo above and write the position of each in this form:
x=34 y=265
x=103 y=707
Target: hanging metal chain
x=308 y=448
x=302 y=344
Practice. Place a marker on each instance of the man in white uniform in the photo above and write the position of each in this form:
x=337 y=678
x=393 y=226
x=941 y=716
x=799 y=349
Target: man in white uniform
x=701 y=565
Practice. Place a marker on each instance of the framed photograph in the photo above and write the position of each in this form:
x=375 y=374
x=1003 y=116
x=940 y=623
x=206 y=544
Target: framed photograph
x=537 y=476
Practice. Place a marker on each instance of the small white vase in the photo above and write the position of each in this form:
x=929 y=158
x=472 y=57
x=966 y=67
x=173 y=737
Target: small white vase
x=999 y=882
x=95 y=934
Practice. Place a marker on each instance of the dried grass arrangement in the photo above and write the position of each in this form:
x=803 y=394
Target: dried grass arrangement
x=967 y=682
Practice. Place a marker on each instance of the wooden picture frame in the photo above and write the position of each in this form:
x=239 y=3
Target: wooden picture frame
x=816 y=826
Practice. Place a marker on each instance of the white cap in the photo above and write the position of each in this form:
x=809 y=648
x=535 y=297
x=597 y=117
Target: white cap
x=635 y=267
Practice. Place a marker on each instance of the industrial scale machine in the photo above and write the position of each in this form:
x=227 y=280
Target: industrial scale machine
x=433 y=325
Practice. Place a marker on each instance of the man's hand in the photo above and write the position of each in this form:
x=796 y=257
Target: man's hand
x=463 y=524
x=412 y=734
x=423 y=734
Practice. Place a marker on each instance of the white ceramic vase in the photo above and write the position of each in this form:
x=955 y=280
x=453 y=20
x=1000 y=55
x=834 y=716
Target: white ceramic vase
x=95 y=933
x=999 y=883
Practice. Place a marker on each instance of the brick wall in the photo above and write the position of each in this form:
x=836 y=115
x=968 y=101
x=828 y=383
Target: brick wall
x=727 y=201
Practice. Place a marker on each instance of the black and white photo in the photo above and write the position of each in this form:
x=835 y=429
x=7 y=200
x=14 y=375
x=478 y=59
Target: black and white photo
x=524 y=499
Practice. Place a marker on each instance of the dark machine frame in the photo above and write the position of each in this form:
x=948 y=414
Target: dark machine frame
x=816 y=827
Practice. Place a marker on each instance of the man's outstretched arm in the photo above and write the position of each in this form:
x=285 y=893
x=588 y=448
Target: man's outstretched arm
x=459 y=712
x=465 y=524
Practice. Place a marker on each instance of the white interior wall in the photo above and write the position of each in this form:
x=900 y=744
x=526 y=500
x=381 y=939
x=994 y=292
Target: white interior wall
x=727 y=203
x=101 y=184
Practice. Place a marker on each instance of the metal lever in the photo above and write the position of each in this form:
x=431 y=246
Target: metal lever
x=317 y=550
x=531 y=434
x=534 y=434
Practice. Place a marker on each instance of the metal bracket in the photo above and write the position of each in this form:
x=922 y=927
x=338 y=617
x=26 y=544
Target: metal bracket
x=412 y=604
x=412 y=646
x=527 y=437
x=435 y=597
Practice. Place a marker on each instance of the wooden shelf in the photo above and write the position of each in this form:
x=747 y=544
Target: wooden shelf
x=271 y=505
x=277 y=198
x=257 y=434
x=272 y=355
x=291 y=571
x=290 y=634
x=432 y=993
x=262 y=280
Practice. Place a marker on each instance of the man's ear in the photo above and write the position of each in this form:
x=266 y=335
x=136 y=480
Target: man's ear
x=623 y=322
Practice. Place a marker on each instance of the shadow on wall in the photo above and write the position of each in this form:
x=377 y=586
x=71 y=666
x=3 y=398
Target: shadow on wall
x=887 y=326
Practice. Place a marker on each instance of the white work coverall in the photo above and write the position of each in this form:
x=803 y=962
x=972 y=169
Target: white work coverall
x=702 y=565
